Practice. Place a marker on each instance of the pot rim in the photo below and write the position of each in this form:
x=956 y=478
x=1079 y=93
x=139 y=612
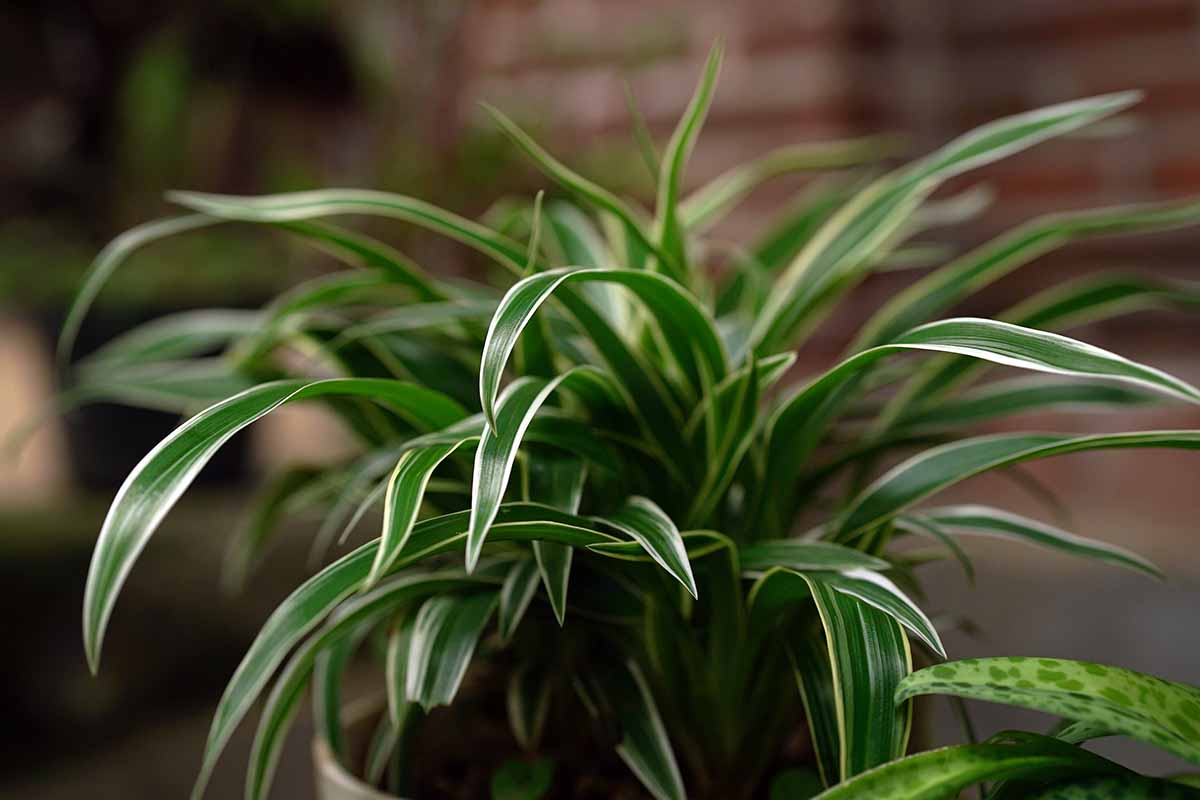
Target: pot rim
x=331 y=772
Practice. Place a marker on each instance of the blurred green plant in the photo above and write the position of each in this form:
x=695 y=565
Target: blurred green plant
x=590 y=479
x=42 y=263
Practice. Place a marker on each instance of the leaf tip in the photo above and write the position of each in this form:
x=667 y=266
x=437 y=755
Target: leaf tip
x=93 y=659
x=489 y=416
x=1152 y=571
x=498 y=116
x=180 y=197
x=1127 y=98
x=689 y=582
x=93 y=640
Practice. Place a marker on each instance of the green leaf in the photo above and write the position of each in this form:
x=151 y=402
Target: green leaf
x=382 y=751
x=414 y=317
x=644 y=746
x=180 y=335
x=298 y=206
x=554 y=566
x=286 y=314
x=178 y=387
x=596 y=196
x=575 y=236
x=289 y=623
x=1013 y=345
x=844 y=683
x=400 y=710
x=877 y=591
x=723 y=608
x=795 y=226
x=1075 y=731
x=684 y=322
x=355 y=488
x=731 y=421
x=933 y=470
x=655 y=409
x=281 y=705
x=443 y=640
x=796 y=426
x=814 y=678
x=648 y=525
x=641 y=133
x=711 y=202
x=402 y=503
x=868 y=655
x=857 y=233
x=166 y=472
x=802 y=556
x=1074 y=303
x=940 y=290
x=1143 y=707
x=107 y=261
x=516 y=594
x=522 y=780
x=955 y=209
x=498 y=447
x=941 y=774
x=995 y=522
x=557 y=482
x=1005 y=398
x=527 y=701
x=514 y=522
x=714 y=409
x=923 y=526
x=1098 y=297
x=314 y=599
x=668 y=224
x=328 y=669
x=364 y=252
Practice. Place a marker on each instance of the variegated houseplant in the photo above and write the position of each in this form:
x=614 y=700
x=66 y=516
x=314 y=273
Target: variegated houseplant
x=597 y=481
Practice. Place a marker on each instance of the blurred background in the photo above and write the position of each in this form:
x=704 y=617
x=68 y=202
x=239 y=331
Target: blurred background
x=106 y=104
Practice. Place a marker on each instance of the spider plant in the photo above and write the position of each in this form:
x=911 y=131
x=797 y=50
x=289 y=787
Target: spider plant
x=597 y=475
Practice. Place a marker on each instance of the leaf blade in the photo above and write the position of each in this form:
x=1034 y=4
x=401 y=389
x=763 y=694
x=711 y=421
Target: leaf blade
x=1159 y=712
x=928 y=473
x=650 y=527
x=165 y=473
x=996 y=522
x=442 y=643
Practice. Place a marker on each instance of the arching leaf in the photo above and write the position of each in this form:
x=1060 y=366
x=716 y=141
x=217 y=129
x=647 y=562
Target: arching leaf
x=405 y=492
x=1150 y=709
x=443 y=640
x=1004 y=524
x=934 y=470
x=863 y=228
x=650 y=527
x=668 y=223
x=684 y=322
x=165 y=473
x=941 y=774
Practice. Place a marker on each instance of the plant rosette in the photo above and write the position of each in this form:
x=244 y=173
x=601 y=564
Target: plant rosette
x=603 y=504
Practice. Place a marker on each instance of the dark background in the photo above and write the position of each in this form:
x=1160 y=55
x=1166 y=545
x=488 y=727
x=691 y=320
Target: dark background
x=106 y=104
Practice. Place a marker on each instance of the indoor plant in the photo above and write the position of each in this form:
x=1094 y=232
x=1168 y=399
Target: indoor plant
x=654 y=539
